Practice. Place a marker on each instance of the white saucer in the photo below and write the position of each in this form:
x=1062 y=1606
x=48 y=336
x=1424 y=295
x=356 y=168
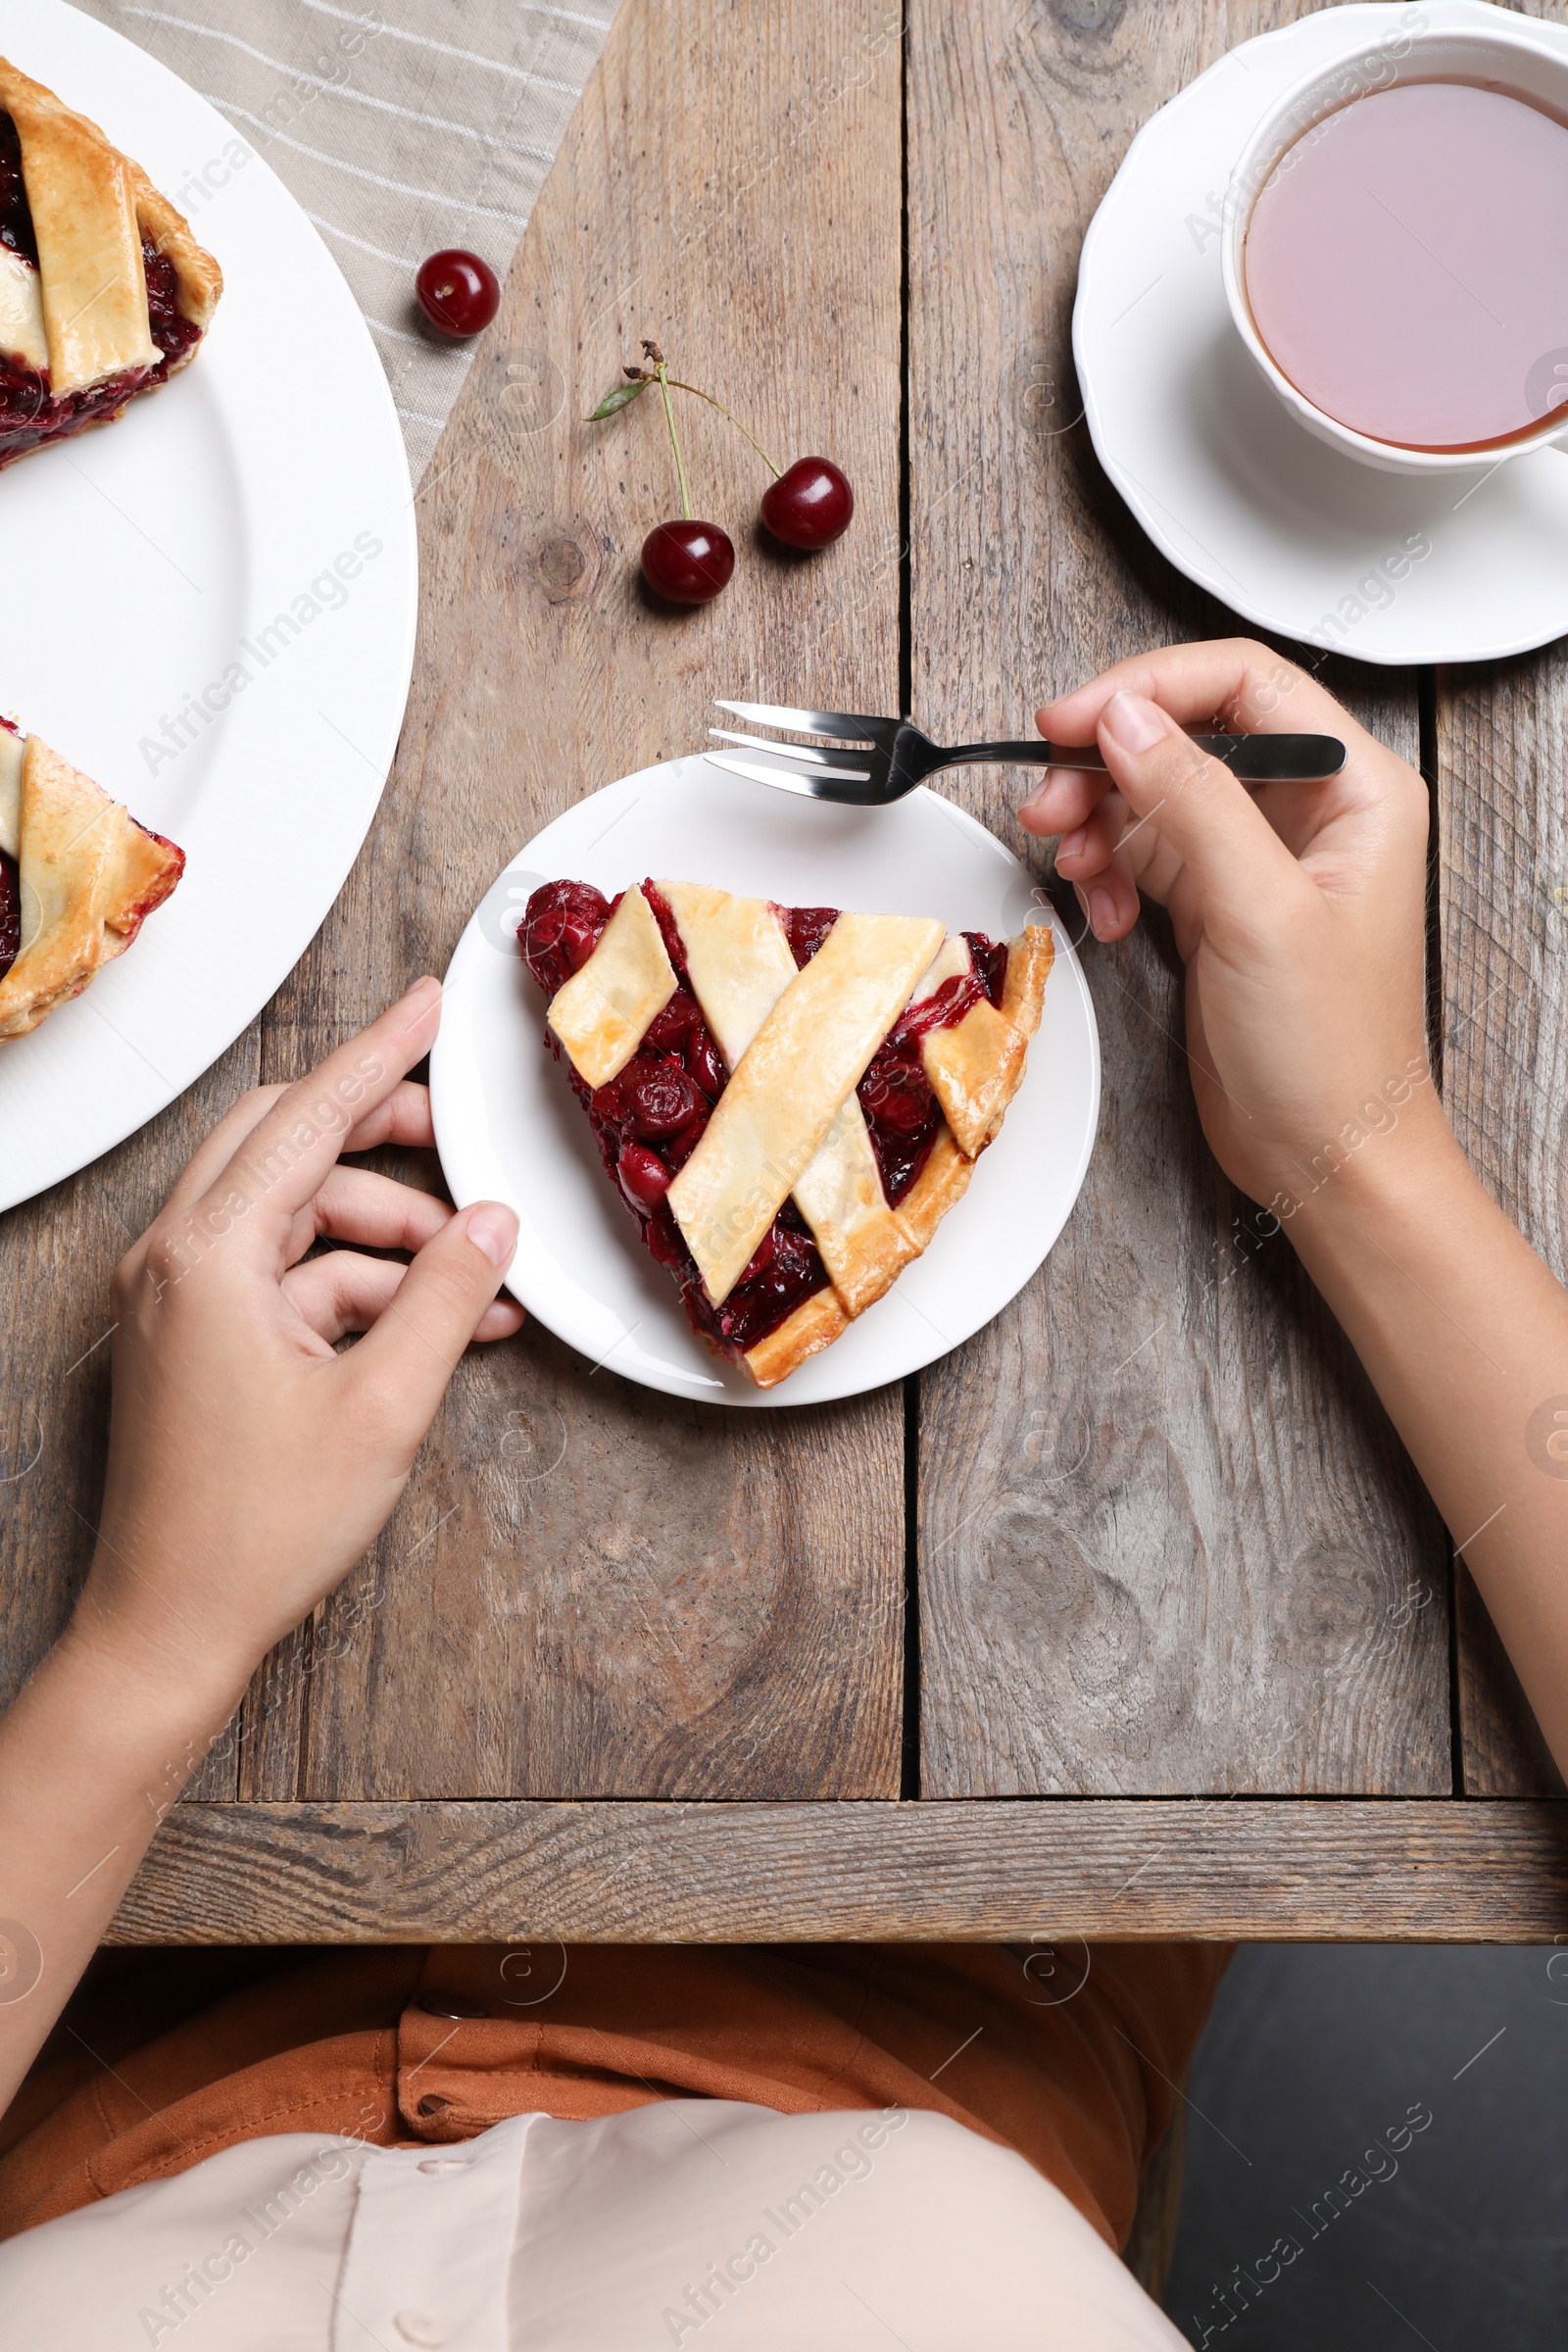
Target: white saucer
x=508 y=1129
x=1285 y=530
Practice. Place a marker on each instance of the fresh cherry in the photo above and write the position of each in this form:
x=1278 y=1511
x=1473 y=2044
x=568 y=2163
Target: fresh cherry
x=459 y=293
x=643 y=1177
x=687 y=562
x=810 y=504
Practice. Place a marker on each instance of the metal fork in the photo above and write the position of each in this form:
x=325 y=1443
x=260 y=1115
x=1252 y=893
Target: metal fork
x=889 y=756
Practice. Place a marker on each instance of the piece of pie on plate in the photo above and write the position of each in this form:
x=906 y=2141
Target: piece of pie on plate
x=788 y=1099
x=104 y=292
x=78 y=877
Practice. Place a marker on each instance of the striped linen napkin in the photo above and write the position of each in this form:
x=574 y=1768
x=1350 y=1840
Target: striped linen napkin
x=400 y=126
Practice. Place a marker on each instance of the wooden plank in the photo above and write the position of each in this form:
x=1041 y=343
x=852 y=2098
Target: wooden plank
x=1125 y=1870
x=1502 y=989
x=1504 y=915
x=589 y=1590
x=1168 y=1540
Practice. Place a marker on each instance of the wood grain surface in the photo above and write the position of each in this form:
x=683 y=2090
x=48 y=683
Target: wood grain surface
x=1169 y=1539
x=1170 y=1556
x=1503 y=900
x=1008 y=1871
x=1502 y=881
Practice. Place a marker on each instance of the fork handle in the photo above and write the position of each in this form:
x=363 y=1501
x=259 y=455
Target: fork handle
x=1251 y=759
x=1016 y=754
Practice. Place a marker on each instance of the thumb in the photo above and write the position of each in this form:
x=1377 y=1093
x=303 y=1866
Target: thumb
x=417 y=1341
x=1209 y=819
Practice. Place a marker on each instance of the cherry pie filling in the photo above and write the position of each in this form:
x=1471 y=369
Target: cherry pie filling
x=28 y=416
x=649 y=1120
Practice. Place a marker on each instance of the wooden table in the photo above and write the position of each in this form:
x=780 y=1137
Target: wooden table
x=1128 y=1619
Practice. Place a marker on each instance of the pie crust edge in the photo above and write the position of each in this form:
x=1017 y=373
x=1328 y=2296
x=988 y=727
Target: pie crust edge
x=910 y=1227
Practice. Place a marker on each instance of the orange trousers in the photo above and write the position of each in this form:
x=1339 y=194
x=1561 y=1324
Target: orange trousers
x=1072 y=2058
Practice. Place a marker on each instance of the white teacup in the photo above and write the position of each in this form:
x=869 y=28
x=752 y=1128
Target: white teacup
x=1449 y=40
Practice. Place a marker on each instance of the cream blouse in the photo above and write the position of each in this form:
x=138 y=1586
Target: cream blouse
x=691 y=2223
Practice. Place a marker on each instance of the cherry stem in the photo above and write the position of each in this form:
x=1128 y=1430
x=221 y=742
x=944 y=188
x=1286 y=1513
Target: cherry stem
x=775 y=470
x=674 y=440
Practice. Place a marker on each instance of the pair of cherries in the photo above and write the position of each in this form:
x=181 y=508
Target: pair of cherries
x=687 y=561
x=807 y=505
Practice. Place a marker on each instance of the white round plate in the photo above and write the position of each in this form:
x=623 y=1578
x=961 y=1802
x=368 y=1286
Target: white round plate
x=246 y=533
x=1284 y=530
x=509 y=1127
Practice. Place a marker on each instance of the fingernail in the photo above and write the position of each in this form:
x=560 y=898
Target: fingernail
x=1071 y=843
x=413 y=1000
x=1133 y=722
x=494 y=1230
x=1101 y=912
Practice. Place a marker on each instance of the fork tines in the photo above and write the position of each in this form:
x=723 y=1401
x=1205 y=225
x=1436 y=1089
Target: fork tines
x=821 y=763
x=772 y=762
x=845 y=727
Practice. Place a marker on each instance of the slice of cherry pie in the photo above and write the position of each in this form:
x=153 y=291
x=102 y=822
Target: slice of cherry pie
x=788 y=1099
x=104 y=292
x=78 y=875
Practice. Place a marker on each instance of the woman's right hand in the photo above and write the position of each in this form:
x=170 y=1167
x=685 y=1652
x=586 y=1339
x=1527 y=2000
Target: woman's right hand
x=250 y=1460
x=1298 y=910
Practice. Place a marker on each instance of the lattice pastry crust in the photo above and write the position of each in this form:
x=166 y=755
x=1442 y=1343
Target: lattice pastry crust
x=789 y=1125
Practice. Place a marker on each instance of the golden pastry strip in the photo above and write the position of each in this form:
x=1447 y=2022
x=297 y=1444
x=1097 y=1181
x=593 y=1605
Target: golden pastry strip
x=975 y=1065
x=601 y=1012
x=860 y=1238
x=89 y=250
x=739 y=962
x=794 y=1078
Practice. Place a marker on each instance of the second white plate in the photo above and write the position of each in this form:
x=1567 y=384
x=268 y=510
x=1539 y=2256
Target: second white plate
x=508 y=1128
